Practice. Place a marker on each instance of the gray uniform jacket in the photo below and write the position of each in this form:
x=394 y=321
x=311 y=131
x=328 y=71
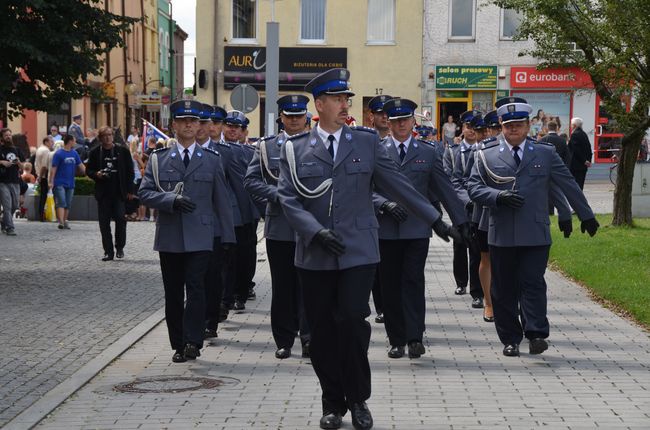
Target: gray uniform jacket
x=539 y=169
x=235 y=170
x=449 y=158
x=205 y=185
x=423 y=168
x=258 y=182
x=347 y=207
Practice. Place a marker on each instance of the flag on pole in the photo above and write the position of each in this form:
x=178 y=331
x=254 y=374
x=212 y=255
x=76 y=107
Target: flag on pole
x=150 y=130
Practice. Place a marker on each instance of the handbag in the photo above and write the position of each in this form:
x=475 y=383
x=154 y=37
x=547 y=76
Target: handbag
x=50 y=211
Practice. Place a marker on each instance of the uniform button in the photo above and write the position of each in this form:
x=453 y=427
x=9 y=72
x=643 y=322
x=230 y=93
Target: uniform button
x=336 y=190
x=336 y=205
x=337 y=221
x=333 y=175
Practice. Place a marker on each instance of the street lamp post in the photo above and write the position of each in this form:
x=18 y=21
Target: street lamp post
x=129 y=89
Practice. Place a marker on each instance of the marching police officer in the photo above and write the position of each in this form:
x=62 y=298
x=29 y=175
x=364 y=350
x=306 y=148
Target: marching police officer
x=513 y=177
x=461 y=250
x=240 y=268
x=379 y=118
x=325 y=189
x=186 y=184
x=404 y=241
x=287 y=314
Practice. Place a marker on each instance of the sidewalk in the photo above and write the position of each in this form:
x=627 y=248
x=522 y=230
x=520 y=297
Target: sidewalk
x=596 y=373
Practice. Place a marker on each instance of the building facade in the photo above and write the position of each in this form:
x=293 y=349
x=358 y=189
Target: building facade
x=470 y=59
x=379 y=41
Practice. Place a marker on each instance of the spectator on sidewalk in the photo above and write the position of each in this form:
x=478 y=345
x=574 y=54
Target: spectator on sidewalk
x=11 y=161
x=27 y=175
x=111 y=167
x=449 y=130
x=41 y=168
x=580 y=149
x=54 y=133
x=65 y=164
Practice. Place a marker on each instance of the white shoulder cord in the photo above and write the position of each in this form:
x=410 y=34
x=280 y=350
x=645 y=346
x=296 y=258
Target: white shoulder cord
x=303 y=190
x=480 y=156
x=264 y=161
x=178 y=189
x=451 y=156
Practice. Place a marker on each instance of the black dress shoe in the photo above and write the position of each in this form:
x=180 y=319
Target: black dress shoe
x=283 y=353
x=511 y=350
x=537 y=345
x=305 y=350
x=191 y=351
x=251 y=294
x=331 y=420
x=488 y=319
x=361 y=417
x=209 y=333
x=223 y=313
x=477 y=302
x=239 y=306
x=396 y=352
x=416 y=349
x=107 y=257
x=178 y=357
x=379 y=319
x=460 y=291
x=119 y=253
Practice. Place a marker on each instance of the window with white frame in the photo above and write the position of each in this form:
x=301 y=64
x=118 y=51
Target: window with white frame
x=244 y=20
x=312 y=21
x=381 y=22
x=510 y=20
x=462 y=16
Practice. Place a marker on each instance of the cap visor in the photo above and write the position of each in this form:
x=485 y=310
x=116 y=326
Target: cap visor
x=401 y=116
x=333 y=93
x=514 y=120
x=294 y=113
x=187 y=116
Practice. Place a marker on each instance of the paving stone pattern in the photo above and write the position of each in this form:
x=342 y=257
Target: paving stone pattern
x=60 y=305
x=596 y=373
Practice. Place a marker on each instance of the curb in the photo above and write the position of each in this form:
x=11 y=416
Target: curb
x=31 y=416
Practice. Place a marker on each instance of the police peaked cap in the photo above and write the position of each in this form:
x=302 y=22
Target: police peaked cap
x=237 y=118
x=218 y=113
x=400 y=108
x=185 y=109
x=376 y=104
x=466 y=117
x=293 y=104
x=331 y=82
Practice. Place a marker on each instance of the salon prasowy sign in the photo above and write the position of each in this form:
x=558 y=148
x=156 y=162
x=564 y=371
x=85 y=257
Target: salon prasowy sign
x=466 y=77
x=530 y=77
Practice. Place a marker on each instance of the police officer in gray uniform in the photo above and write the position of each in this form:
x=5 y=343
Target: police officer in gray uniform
x=513 y=177
x=287 y=311
x=240 y=267
x=462 y=271
x=186 y=184
x=404 y=241
x=325 y=189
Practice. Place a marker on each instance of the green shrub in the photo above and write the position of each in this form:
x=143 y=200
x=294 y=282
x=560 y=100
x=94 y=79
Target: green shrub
x=84 y=186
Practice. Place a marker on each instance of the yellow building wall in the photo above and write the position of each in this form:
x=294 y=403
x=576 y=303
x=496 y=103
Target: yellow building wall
x=392 y=69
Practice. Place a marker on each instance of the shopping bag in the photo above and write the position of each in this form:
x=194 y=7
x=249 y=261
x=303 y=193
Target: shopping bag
x=50 y=212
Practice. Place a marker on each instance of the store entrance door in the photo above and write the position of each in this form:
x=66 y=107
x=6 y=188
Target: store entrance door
x=447 y=108
x=607 y=138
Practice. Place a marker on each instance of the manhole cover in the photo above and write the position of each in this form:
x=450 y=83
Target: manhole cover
x=172 y=384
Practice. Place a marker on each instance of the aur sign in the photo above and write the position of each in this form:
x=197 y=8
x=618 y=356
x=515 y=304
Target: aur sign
x=466 y=77
x=247 y=65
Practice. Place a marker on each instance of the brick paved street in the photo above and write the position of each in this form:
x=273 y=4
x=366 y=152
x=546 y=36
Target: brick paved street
x=61 y=306
x=596 y=373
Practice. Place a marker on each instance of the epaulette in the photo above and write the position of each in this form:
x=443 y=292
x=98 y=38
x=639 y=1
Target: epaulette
x=540 y=142
x=212 y=151
x=299 y=135
x=223 y=143
x=155 y=151
x=488 y=140
x=265 y=138
x=427 y=142
x=362 y=128
x=491 y=144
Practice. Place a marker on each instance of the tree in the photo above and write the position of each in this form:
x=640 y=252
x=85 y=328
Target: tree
x=50 y=48
x=609 y=39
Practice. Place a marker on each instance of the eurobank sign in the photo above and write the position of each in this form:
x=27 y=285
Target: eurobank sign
x=530 y=77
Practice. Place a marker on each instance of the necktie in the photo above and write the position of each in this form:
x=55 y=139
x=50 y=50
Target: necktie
x=402 y=152
x=515 y=154
x=330 y=148
x=186 y=157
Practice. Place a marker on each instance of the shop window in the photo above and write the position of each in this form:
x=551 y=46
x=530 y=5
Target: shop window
x=312 y=21
x=462 y=16
x=244 y=21
x=482 y=101
x=381 y=22
x=510 y=21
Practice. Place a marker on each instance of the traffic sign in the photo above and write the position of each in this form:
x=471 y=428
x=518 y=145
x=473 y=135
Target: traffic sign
x=244 y=98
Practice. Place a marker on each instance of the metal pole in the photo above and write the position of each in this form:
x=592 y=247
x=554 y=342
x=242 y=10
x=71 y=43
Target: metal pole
x=272 y=74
